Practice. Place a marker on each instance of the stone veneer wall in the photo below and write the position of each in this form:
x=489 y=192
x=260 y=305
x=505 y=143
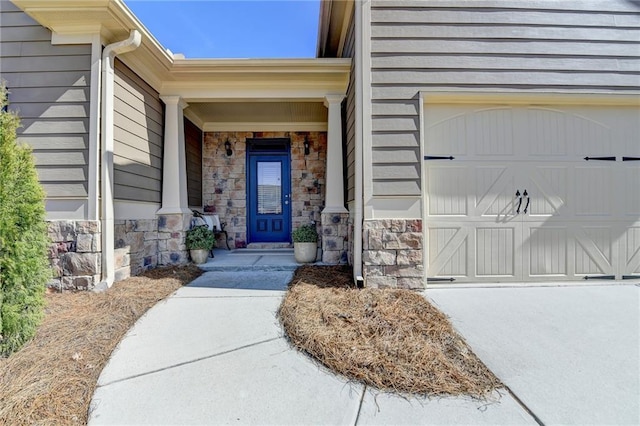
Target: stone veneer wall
x=392 y=253
x=335 y=237
x=75 y=254
x=143 y=244
x=224 y=179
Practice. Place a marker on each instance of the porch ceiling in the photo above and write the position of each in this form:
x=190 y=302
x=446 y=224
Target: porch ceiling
x=256 y=116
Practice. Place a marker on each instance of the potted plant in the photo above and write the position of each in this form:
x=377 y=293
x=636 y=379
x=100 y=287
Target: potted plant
x=200 y=240
x=305 y=243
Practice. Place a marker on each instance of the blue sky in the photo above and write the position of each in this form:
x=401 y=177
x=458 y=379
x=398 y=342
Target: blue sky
x=232 y=29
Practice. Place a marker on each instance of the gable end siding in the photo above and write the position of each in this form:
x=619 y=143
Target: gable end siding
x=487 y=45
x=49 y=89
x=138 y=138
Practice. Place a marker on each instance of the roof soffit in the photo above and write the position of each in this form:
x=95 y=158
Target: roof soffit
x=333 y=26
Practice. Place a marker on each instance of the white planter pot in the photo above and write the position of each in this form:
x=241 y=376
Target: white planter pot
x=305 y=252
x=199 y=256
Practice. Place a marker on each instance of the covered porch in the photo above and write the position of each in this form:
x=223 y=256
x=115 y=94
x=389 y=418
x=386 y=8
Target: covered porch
x=260 y=144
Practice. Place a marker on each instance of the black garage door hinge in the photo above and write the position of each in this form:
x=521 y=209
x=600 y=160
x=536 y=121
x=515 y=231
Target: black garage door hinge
x=630 y=158
x=438 y=279
x=631 y=277
x=600 y=277
x=600 y=158
x=435 y=157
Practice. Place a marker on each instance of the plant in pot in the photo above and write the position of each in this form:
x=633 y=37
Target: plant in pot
x=305 y=243
x=200 y=240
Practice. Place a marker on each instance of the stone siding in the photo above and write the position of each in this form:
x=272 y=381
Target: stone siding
x=335 y=237
x=392 y=254
x=144 y=244
x=74 y=254
x=224 y=179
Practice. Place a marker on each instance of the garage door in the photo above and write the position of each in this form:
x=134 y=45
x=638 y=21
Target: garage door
x=532 y=192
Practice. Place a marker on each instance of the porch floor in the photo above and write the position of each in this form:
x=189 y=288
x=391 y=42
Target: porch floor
x=280 y=259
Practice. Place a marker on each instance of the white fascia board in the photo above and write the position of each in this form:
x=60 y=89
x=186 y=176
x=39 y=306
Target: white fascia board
x=218 y=94
x=251 y=66
x=265 y=127
x=192 y=117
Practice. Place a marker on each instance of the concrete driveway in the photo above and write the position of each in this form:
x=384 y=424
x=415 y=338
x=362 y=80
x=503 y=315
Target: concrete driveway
x=214 y=353
x=569 y=354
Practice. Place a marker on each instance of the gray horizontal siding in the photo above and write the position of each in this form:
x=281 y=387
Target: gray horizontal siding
x=138 y=138
x=193 y=145
x=49 y=89
x=487 y=45
x=350 y=119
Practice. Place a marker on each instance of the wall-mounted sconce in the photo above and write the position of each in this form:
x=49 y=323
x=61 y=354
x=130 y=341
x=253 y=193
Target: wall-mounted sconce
x=227 y=147
x=306 y=146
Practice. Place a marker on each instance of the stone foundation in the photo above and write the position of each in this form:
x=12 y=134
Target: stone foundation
x=335 y=237
x=144 y=244
x=224 y=179
x=392 y=254
x=75 y=254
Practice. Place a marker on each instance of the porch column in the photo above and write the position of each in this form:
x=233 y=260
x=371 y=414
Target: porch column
x=334 y=217
x=174 y=170
x=334 y=197
x=174 y=215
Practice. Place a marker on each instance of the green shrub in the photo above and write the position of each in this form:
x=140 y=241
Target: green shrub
x=305 y=234
x=24 y=268
x=200 y=238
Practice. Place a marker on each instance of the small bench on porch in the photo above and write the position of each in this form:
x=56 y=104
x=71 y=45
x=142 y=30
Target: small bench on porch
x=213 y=223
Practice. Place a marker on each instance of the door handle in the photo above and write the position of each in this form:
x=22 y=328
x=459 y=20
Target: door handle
x=519 y=201
x=528 y=201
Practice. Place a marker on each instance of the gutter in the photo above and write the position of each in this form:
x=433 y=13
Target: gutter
x=108 y=82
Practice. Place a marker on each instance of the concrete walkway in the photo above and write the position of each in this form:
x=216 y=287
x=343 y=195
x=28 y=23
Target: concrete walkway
x=214 y=353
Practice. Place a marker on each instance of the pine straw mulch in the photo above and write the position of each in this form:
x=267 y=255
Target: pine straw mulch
x=393 y=340
x=50 y=381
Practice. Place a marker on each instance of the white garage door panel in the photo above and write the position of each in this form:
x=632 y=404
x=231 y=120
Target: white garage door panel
x=582 y=217
x=495 y=251
x=631 y=251
x=461 y=251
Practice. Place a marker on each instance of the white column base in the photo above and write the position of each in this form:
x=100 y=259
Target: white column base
x=336 y=209
x=173 y=210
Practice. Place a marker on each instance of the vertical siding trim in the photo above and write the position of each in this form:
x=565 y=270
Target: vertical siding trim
x=423 y=184
x=365 y=100
x=94 y=129
x=361 y=55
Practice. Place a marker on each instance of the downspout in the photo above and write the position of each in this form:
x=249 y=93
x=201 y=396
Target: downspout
x=106 y=185
x=358 y=192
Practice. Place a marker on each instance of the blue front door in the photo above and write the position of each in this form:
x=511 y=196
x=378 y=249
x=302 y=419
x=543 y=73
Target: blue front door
x=269 y=197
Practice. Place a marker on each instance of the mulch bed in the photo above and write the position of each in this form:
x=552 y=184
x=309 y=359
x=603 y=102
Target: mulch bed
x=51 y=380
x=393 y=340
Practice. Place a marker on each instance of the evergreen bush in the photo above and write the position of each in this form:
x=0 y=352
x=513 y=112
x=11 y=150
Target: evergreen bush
x=200 y=238
x=305 y=234
x=24 y=267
